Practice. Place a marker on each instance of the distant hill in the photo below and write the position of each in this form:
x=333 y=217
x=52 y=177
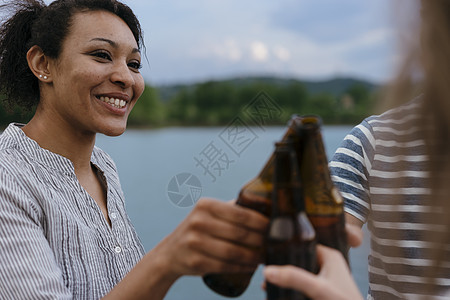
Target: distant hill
x=337 y=86
x=334 y=86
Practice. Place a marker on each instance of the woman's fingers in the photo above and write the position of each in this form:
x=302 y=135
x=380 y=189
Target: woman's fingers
x=239 y=215
x=234 y=233
x=293 y=278
x=235 y=224
x=334 y=280
x=328 y=258
x=222 y=250
x=216 y=237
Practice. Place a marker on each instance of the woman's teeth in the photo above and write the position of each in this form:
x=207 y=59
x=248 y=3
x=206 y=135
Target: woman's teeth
x=113 y=102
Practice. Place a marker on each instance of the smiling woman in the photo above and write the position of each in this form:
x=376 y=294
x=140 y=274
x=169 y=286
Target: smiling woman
x=99 y=58
x=64 y=231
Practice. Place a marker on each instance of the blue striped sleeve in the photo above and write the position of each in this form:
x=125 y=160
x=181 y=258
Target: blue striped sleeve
x=349 y=169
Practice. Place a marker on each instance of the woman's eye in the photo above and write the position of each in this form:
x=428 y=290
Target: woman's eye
x=102 y=55
x=135 y=65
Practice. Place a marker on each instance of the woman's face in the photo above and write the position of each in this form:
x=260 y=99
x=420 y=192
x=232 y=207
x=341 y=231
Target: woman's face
x=96 y=79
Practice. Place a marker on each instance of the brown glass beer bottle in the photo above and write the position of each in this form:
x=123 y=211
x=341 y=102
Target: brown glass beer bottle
x=291 y=237
x=323 y=202
x=257 y=195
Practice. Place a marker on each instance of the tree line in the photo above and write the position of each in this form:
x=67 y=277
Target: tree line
x=216 y=103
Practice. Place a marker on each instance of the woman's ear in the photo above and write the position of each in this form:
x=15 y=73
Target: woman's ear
x=38 y=63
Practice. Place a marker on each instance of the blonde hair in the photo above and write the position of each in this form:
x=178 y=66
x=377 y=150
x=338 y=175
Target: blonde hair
x=426 y=70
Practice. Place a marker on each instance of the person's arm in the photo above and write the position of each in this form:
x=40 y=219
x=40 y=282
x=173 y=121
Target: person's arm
x=334 y=281
x=352 y=220
x=350 y=171
x=215 y=237
x=353 y=227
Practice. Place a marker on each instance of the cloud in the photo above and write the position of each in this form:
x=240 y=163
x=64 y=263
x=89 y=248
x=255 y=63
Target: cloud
x=370 y=38
x=282 y=53
x=307 y=38
x=329 y=20
x=259 y=51
x=234 y=50
x=228 y=50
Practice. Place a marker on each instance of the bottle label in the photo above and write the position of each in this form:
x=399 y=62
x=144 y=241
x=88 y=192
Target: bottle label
x=281 y=228
x=308 y=233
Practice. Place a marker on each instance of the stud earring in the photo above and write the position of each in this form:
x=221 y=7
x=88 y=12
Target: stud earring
x=40 y=75
x=45 y=77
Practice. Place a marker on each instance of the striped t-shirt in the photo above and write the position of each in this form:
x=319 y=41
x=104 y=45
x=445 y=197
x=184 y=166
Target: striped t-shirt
x=55 y=242
x=381 y=170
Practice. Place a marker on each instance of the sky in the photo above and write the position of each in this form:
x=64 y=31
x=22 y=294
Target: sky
x=197 y=40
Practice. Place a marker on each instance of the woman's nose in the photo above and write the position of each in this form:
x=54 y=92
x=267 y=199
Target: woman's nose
x=122 y=75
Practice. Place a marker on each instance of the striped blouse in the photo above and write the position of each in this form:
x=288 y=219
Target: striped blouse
x=381 y=170
x=55 y=242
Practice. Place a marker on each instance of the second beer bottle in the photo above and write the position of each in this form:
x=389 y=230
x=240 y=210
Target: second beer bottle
x=291 y=237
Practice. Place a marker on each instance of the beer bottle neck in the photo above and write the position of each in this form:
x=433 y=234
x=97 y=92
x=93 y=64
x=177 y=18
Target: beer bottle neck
x=286 y=180
x=291 y=135
x=314 y=163
x=320 y=193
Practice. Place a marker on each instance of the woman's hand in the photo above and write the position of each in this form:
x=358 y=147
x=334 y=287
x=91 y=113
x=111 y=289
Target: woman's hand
x=215 y=237
x=334 y=281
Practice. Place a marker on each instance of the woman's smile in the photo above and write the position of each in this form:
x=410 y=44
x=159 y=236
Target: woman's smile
x=114 y=102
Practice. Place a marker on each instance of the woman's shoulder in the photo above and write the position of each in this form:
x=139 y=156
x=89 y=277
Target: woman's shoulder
x=9 y=150
x=407 y=112
x=7 y=140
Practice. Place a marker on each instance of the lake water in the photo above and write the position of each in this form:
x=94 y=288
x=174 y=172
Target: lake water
x=148 y=160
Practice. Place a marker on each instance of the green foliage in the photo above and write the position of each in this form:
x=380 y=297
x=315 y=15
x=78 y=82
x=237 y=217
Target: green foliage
x=323 y=104
x=216 y=103
x=13 y=114
x=148 y=111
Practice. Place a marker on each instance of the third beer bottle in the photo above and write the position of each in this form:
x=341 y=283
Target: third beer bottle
x=323 y=202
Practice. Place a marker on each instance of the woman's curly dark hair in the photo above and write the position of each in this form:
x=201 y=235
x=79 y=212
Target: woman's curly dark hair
x=34 y=23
